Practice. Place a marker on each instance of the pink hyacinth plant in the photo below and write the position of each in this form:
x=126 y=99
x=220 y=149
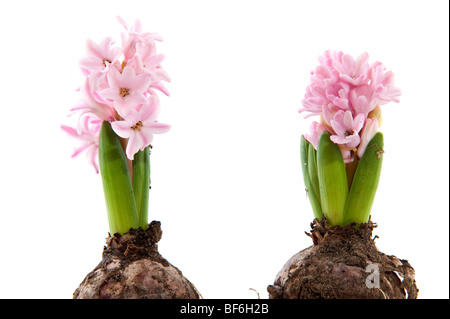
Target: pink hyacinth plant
x=342 y=153
x=117 y=118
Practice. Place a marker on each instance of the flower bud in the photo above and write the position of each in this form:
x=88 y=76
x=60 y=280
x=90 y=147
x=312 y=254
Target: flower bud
x=376 y=113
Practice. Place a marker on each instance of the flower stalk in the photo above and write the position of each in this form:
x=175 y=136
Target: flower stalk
x=141 y=185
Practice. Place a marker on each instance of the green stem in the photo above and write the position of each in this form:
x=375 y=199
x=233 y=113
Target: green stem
x=350 y=169
x=141 y=184
x=117 y=188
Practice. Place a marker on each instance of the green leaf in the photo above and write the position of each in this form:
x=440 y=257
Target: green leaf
x=117 y=188
x=332 y=180
x=313 y=197
x=312 y=170
x=365 y=183
x=141 y=184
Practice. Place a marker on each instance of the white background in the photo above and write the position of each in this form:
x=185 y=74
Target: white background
x=226 y=180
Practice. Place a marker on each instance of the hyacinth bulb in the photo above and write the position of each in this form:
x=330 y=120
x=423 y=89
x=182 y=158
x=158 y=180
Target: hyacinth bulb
x=132 y=268
x=344 y=263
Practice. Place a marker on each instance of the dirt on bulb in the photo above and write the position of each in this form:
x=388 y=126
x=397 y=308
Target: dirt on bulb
x=132 y=268
x=344 y=263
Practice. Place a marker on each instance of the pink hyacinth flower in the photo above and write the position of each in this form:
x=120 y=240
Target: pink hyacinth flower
x=313 y=101
x=347 y=155
x=317 y=93
x=139 y=126
x=135 y=35
x=347 y=128
x=90 y=105
x=337 y=93
x=383 y=83
x=353 y=71
x=328 y=113
x=363 y=99
x=99 y=56
x=126 y=89
x=367 y=133
x=147 y=61
x=344 y=92
x=315 y=132
x=88 y=133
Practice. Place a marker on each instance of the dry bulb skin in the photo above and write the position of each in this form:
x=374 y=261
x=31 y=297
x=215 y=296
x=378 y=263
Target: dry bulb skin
x=344 y=263
x=132 y=268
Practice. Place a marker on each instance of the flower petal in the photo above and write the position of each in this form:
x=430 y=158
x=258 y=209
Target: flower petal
x=135 y=98
x=114 y=78
x=91 y=63
x=358 y=122
x=349 y=64
x=347 y=120
x=156 y=128
x=109 y=93
x=127 y=76
x=368 y=132
x=150 y=110
x=122 y=128
x=94 y=49
x=135 y=143
x=154 y=60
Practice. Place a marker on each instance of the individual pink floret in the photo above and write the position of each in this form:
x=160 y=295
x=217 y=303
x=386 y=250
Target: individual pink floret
x=135 y=35
x=99 y=56
x=126 y=89
x=90 y=105
x=351 y=70
x=139 y=126
x=347 y=128
x=315 y=131
x=88 y=133
x=368 y=132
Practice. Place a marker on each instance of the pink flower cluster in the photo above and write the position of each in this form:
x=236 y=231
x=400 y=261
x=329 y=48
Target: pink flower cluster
x=120 y=86
x=347 y=93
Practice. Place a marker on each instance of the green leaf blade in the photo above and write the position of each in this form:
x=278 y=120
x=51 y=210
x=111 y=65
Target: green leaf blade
x=117 y=188
x=332 y=180
x=314 y=199
x=141 y=185
x=312 y=170
x=365 y=182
